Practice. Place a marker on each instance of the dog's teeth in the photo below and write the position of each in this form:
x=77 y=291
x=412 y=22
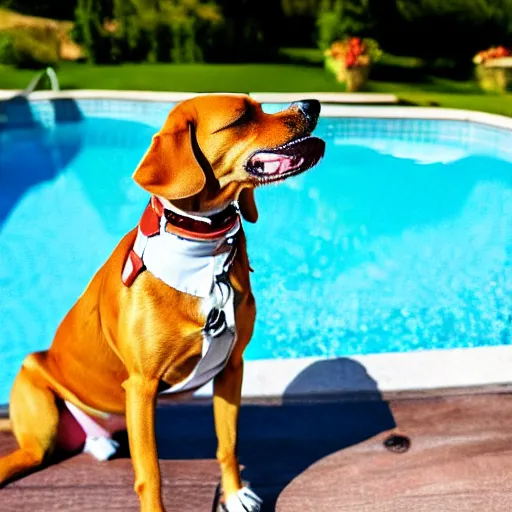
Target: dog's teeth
x=272 y=167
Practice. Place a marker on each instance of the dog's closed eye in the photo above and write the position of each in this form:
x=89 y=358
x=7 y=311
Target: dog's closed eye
x=245 y=117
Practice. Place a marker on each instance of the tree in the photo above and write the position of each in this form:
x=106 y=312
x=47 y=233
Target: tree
x=92 y=31
x=56 y=9
x=462 y=27
x=445 y=34
x=139 y=30
x=339 y=18
x=187 y=25
x=251 y=31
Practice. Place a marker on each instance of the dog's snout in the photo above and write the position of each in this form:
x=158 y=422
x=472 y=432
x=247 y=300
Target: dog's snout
x=311 y=111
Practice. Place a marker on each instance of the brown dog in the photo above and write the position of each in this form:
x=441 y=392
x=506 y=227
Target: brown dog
x=172 y=307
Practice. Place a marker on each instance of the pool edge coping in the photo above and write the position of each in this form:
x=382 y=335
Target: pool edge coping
x=366 y=105
x=392 y=372
x=395 y=375
x=172 y=96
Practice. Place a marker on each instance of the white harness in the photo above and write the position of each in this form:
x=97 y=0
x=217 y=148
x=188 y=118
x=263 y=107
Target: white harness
x=199 y=268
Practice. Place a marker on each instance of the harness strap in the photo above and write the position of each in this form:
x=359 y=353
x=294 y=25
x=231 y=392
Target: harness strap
x=197 y=263
x=156 y=219
x=132 y=268
x=149 y=225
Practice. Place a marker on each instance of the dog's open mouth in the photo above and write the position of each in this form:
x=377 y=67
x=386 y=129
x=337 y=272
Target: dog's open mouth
x=290 y=159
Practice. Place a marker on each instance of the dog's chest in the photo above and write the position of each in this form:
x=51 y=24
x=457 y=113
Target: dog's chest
x=198 y=268
x=218 y=339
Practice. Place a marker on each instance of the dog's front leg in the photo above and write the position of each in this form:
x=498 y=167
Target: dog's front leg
x=226 y=406
x=140 y=418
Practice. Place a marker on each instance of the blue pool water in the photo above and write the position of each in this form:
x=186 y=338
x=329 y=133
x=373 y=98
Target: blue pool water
x=399 y=240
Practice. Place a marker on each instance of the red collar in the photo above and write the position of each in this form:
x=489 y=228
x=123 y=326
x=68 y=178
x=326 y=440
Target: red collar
x=218 y=225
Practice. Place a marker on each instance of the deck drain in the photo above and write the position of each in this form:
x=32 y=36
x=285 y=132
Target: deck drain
x=397 y=443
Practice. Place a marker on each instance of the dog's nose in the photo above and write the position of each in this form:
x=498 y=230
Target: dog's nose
x=311 y=111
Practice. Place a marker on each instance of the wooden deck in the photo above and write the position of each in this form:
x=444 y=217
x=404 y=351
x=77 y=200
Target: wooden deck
x=321 y=456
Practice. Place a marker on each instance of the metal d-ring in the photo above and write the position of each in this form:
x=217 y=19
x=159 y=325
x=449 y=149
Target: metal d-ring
x=222 y=289
x=215 y=322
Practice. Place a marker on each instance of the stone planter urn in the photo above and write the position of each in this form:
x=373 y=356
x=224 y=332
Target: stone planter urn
x=495 y=75
x=493 y=69
x=336 y=67
x=357 y=77
x=350 y=61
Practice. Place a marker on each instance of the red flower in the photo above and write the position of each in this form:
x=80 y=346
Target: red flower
x=350 y=59
x=491 y=53
x=501 y=52
x=357 y=50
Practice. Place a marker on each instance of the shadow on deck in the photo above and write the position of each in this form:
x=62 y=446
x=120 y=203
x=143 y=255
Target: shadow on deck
x=320 y=456
x=277 y=442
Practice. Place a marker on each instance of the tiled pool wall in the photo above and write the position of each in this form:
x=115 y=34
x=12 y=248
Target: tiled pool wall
x=472 y=136
x=46 y=113
x=467 y=135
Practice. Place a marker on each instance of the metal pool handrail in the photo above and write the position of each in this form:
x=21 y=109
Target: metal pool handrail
x=54 y=81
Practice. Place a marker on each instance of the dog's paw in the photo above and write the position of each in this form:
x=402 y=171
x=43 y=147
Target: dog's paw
x=101 y=448
x=244 y=500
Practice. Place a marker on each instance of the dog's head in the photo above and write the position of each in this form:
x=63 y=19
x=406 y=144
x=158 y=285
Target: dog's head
x=215 y=149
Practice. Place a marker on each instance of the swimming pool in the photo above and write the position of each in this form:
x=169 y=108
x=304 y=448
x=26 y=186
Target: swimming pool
x=398 y=241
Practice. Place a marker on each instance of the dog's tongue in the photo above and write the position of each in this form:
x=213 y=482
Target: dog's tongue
x=278 y=164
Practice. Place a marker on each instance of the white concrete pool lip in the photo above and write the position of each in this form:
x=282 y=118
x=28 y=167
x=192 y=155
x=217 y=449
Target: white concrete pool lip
x=428 y=370
x=387 y=372
x=365 y=105
x=159 y=96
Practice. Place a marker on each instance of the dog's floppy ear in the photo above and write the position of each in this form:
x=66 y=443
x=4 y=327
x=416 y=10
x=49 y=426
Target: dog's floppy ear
x=247 y=205
x=169 y=168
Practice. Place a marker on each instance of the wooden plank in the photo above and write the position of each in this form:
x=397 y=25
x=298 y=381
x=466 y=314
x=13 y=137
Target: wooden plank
x=325 y=455
x=85 y=499
x=460 y=460
x=81 y=484
x=277 y=443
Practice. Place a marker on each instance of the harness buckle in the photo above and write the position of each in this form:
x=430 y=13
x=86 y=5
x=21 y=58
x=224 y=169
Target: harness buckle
x=216 y=322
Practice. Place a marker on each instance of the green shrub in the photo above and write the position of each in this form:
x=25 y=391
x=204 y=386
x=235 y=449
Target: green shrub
x=250 y=31
x=450 y=29
x=185 y=47
x=178 y=30
x=32 y=48
x=191 y=50
x=374 y=50
x=6 y=48
x=149 y=30
x=102 y=46
x=340 y=18
x=135 y=30
x=329 y=23
x=161 y=44
x=55 y=9
x=188 y=24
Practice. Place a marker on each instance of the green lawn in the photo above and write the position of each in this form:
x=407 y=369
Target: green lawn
x=183 y=77
x=449 y=94
x=303 y=74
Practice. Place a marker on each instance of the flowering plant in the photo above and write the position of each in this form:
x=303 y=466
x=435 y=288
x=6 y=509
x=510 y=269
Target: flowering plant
x=495 y=52
x=355 y=52
x=111 y=26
